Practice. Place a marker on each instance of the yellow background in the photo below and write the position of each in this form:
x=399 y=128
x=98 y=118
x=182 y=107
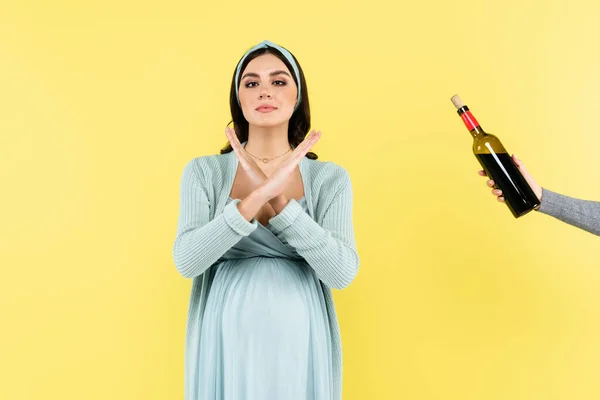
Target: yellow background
x=103 y=103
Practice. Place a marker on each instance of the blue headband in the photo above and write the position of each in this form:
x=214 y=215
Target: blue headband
x=288 y=56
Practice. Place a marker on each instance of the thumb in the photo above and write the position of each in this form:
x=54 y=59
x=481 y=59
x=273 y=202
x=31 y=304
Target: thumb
x=521 y=166
x=518 y=162
x=536 y=188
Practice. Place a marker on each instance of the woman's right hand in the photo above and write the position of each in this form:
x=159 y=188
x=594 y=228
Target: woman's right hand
x=278 y=181
x=537 y=189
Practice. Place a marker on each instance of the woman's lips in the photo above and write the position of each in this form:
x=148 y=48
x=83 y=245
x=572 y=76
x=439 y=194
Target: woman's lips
x=266 y=108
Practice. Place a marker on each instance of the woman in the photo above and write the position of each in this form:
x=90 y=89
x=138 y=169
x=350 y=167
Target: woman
x=264 y=241
x=583 y=214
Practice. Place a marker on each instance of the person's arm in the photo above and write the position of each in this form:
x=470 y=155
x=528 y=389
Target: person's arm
x=583 y=214
x=329 y=248
x=200 y=242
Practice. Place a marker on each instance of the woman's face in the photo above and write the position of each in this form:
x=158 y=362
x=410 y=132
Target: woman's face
x=267 y=92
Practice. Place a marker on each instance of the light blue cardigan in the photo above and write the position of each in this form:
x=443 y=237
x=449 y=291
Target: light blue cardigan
x=208 y=227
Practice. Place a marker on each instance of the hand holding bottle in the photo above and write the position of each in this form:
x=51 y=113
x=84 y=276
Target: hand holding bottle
x=537 y=189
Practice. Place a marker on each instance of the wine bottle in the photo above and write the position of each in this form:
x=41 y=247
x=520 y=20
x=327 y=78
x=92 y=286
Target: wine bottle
x=498 y=165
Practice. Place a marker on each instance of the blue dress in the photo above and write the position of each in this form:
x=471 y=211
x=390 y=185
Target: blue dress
x=265 y=333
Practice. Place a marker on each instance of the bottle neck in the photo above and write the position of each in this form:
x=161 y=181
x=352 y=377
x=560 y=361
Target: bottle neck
x=470 y=122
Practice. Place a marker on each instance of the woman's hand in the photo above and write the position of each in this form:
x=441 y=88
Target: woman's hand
x=252 y=170
x=268 y=191
x=537 y=189
x=275 y=184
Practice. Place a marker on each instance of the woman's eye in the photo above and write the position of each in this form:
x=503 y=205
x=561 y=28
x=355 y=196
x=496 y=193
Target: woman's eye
x=280 y=83
x=250 y=84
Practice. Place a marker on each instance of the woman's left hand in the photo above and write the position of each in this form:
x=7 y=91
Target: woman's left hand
x=254 y=173
x=256 y=176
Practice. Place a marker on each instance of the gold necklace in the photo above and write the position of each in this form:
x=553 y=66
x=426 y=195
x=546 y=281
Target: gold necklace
x=266 y=160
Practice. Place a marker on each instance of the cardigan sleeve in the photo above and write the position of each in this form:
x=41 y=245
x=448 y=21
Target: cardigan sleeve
x=329 y=246
x=200 y=242
x=583 y=214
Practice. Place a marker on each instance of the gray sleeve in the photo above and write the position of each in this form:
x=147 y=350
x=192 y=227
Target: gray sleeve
x=583 y=214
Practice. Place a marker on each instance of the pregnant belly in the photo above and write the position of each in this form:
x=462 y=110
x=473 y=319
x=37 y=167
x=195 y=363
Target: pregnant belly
x=263 y=299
